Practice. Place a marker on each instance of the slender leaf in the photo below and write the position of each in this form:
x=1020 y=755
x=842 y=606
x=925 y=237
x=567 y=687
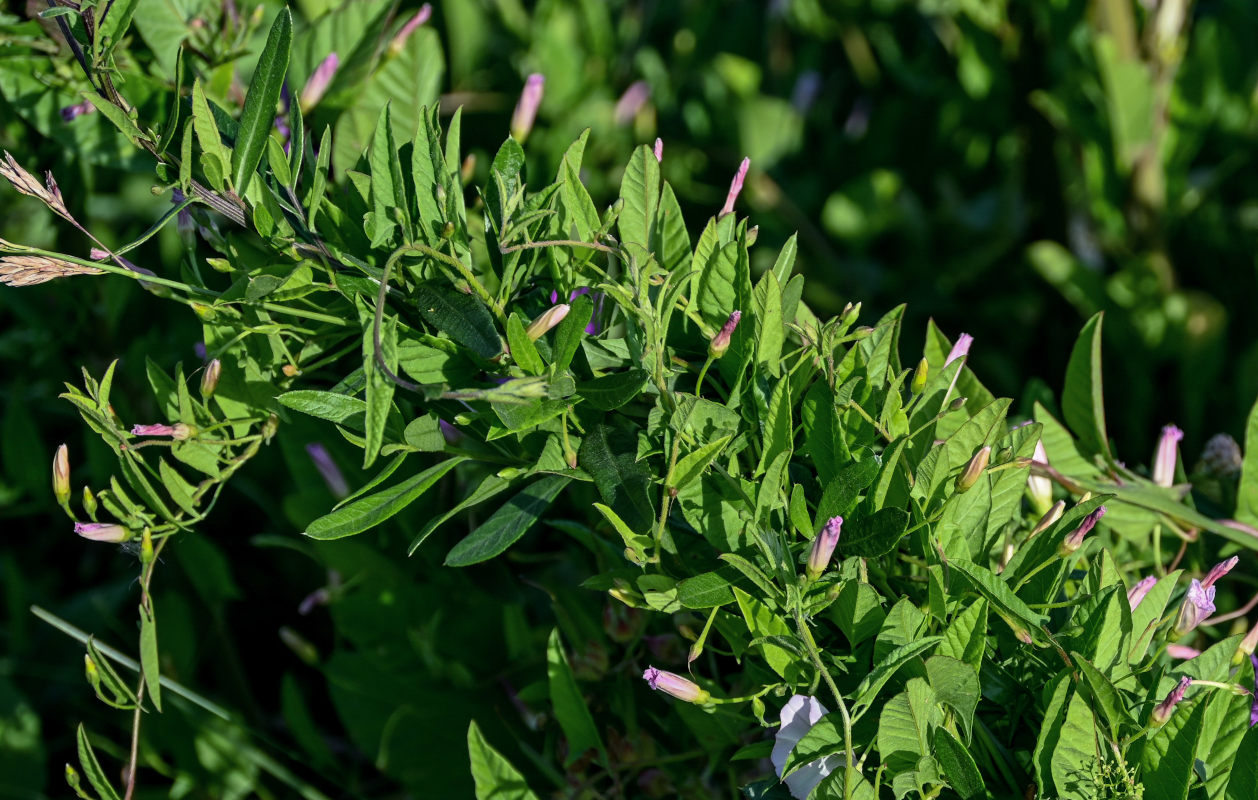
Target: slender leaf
x=506 y=525
x=367 y=512
x=258 y=117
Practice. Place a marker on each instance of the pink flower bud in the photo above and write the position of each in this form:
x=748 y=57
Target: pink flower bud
x=1198 y=605
x=1136 y=593
x=1250 y=642
x=823 y=547
x=659 y=150
x=720 y=342
x=328 y=470
x=178 y=431
x=1074 y=539
x=547 y=320
x=421 y=16
x=1040 y=487
x=61 y=475
x=1165 y=708
x=318 y=82
x=631 y=102
x=526 y=109
x=1167 y=455
x=735 y=187
x=102 y=531
x=970 y=475
x=1182 y=651
x=961 y=348
x=676 y=685
x=1219 y=570
x=1052 y=515
x=209 y=378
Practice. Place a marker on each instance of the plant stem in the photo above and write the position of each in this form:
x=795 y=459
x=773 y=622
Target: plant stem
x=810 y=645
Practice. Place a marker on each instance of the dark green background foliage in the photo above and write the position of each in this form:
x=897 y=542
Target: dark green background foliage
x=1007 y=169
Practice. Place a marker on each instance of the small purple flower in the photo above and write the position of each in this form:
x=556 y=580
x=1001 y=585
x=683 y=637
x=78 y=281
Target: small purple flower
x=1167 y=456
x=659 y=150
x=1165 y=708
x=1074 y=539
x=592 y=327
x=632 y=101
x=70 y=113
x=452 y=434
x=1219 y=570
x=675 y=685
x=199 y=349
x=328 y=470
x=1136 y=593
x=178 y=431
x=183 y=223
x=1198 y=605
x=526 y=109
x=1253 y=711
x=318 y=82
x=421 y=16
x=735 y=187
x=960 y=349
x=823 y=547
x=102 y=531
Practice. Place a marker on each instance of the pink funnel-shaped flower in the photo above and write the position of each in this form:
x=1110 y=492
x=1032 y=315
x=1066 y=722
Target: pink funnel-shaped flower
x=526 y=108
x=675 y=685
x=1219 y=570
x=1167 y=456
x=735 y=187
x=318 y=82
x=1198 y=605
x=823 y=547
x=1165 y=708
x=102 y=531
x=961 y=348
x=1136 y=593
x=720 y=342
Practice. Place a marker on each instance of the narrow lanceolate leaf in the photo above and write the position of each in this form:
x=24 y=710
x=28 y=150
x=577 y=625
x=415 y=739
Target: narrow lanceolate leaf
x=369 y=511
x=339 y=408
x=508 y=523
x=495 y=778
x=492 y=486
x=571 y=331
x=380 y=386
x=693 y=464
x=570 y=708
x=258 y=116
x=958 y=765
x=148 y=656
x=91 y=767
x=1082 y=401
x=1240 y=786
x=1247 y=493
x=998 y=593
x=640 y=191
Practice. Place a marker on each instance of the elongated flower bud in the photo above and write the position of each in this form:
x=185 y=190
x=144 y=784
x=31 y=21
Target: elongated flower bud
x=823 y=547
x=61 y=475
x=1167 y=455
x=679 y=687
x=631 y=102
x=970 y=475
x=920 y=376
x=1039 y=487
x=89 y=501
x=1247 y=646
x=1074 y=539
x=146 y=546
x=102 y=531
x=1165 y=708
x=1136 y=593
x=209 y=378
x=179 y=431
x=526 y=109
x=547 y=320
x=1182 y=651
x=735 y=188
x=1219 y=570
x=318 y=82
x=960 y=349
x=1052 y=515
x=659 y=150
x=328 y=470
x=421 y=16
x=720 y=342
x=1198 y=605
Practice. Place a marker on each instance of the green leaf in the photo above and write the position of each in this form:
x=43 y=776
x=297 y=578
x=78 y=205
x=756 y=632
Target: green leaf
x=673 y=241
x=339 y=408
x=872 y=683
x=1074 y=755
x=693 y=464
x=570 y=332
x=180 y=491
x=1247 y=491
x=495 y=778
x=822 y=739
x=611 y=459
x=905 y=725
x=956 y=685
x=506 y=525
x=705 y=590
x=610 y=392
x=581 y=212
x=570 y=708
x=1106 y=698
x=1240 y=785
x=640 y=191
x=91 y=767
x=148 y=656
x=1057 y=691
x=958 y=766
x=1082 y=401
x=1169 y=754
x=875 y=535
x=966 y=638
x=490 y=487
x=1146 y=616
x=522 y=348
x=373 y=509
x=857 y=611
x=460 y=316
x=380 y=387
x=258 y=117
x=998 y=594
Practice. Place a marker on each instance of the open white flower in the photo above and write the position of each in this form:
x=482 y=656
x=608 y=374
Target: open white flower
x=798 y=716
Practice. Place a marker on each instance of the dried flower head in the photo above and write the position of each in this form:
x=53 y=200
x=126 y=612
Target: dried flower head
x=30 y=270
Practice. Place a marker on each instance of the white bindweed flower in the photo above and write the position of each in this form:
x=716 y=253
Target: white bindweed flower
x=798 y=716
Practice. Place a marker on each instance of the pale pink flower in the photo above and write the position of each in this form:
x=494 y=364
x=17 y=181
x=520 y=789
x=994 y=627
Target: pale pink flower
x=735 y=187
x=526 y=109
